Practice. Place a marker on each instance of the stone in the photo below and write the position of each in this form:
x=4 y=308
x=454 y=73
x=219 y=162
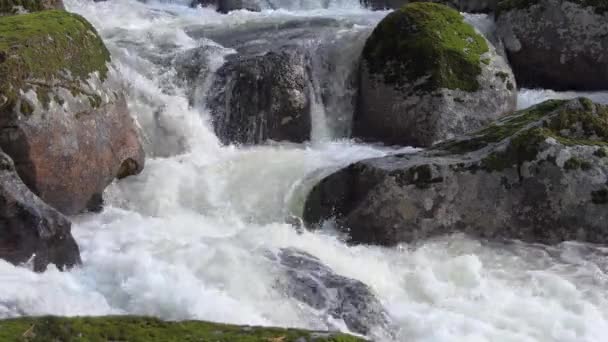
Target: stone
x=30 y=230
x=426 y=76
x=556 y=44
x=63 y=114
x=11 y=7
x=469 y=6
x=539 y=175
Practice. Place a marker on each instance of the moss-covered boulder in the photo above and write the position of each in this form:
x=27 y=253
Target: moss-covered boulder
x=426 y=75
x=539 y=175
x=63 y=115
x=556 y=44
x=30 y=230
x=10 y=7
x=146 y=329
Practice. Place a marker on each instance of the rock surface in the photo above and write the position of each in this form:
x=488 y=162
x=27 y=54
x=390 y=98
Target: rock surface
x=469 y=6
x=136 y=329
x=539 y=175
x=426 y=76
x=29 y=228
x=556 y=44
x=225 y=6
x=278 y=79
x=63 y=117
x=10 y=7
x=263 y=97
x=340 y=298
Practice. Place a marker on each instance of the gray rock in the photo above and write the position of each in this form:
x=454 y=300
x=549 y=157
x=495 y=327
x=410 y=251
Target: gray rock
x=225 y=6
x=539 y=175
x=29 y=228
x=309 y=281
x=417 y=89
x=470 y=6
x=556 y=44
x=262 y=98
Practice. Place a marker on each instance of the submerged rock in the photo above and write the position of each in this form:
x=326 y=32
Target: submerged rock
x=63 y=118
x=309 y=281
x=29 y=228
x=262 y=97
x=10 y=7
x=426 y=76
x=539 y=175
x=556 y=44
x=137 y=328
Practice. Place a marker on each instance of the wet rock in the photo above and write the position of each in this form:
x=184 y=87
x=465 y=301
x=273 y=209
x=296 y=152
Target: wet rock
x=29 y=228
x=63 y=116
x=426 y=76
x=262 y=98
x=539 y=175
x=556 y=44
x=10 y=7
x=225 y=6
x=310 y=282
x=470 y=6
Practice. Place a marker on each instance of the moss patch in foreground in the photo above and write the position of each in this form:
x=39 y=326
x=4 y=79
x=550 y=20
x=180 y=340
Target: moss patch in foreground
x=426 y=40
x=146 y=329
x=45 y=48
x=12 y=6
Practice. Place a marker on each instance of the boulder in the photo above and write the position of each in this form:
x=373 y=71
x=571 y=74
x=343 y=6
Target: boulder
x=309 y=281
x=10 y=7
x=470 y=6
x=556 y=44
x=225 y=6
x=29 y=228
x=426 y=75
x=63 y=116
x=539 y=175
x=262 y=97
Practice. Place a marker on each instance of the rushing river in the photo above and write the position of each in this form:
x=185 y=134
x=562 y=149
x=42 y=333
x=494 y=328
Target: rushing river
x=189 y=237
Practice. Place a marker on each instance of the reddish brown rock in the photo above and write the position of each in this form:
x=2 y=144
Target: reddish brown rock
x=63 y=116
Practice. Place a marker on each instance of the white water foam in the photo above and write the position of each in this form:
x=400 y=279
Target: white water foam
x=187 y=238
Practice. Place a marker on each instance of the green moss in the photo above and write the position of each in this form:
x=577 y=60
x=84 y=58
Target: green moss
x=587 y=125
x=523 y=147
x=426 y=40
x=601 y=152
x=600 y=196
x=44 y=49
x=145 y=329
x=501 y=129
x=26 y=108
x=10 y=6
x=572 y=164
x=503 y=75
x=421 y=176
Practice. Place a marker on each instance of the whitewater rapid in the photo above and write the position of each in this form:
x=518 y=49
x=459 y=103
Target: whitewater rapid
x=189 y=237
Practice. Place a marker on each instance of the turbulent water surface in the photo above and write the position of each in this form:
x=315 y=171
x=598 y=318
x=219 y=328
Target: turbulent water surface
x=190 y=237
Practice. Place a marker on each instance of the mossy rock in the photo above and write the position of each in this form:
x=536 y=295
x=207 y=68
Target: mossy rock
x=146 y=329
x=10 y=7
x=537 y=175
x=426 y=40
x=46 y=49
